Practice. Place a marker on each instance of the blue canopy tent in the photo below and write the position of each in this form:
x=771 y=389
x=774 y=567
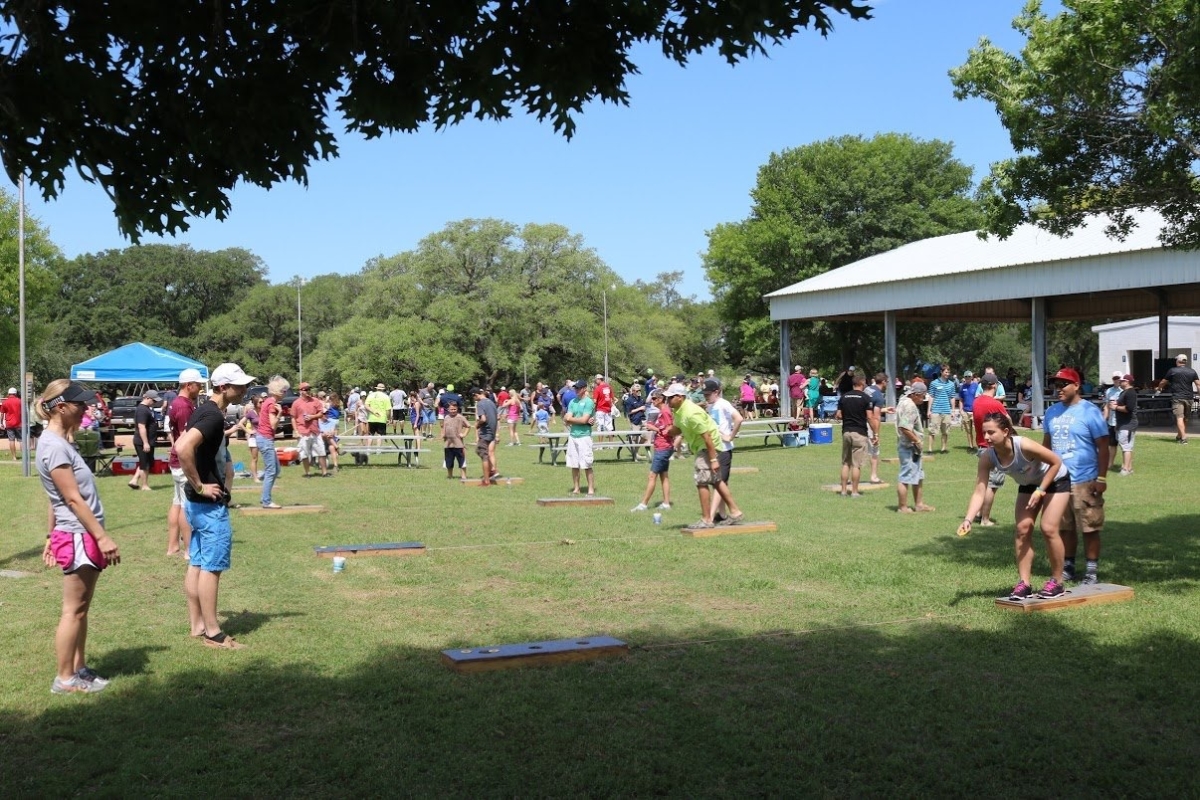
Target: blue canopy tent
x=135 y=363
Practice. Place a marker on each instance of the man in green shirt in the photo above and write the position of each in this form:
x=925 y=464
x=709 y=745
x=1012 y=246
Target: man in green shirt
x=580 y=417
x=701 y=434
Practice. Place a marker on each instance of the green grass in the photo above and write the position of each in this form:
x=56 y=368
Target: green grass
x=854 y=652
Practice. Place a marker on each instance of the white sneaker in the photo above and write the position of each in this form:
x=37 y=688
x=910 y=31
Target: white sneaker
x=665 y=506
x=639 y=507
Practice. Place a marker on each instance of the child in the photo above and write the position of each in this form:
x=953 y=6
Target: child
x=454 y=428
x=542 y=417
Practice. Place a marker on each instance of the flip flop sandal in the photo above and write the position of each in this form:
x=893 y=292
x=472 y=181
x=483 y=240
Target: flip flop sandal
x=226 y=642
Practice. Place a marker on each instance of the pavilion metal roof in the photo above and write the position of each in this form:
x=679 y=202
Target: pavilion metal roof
x=1087 y=275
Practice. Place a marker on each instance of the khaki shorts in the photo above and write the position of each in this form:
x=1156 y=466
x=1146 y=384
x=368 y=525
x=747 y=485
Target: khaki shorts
x=854 y=449
x=703 y=473
x=311 y=447
x=1181 y=408
x=1085 y=513
x=939 y=423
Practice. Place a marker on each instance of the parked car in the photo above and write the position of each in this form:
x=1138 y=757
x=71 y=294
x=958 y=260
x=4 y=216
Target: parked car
x=285 y=418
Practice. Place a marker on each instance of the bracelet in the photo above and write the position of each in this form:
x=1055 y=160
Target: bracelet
x=1101 y=479
x=1039 y=490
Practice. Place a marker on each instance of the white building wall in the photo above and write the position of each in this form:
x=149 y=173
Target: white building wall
x=1118 y=340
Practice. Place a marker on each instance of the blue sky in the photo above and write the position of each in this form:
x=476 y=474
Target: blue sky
x=642 y=184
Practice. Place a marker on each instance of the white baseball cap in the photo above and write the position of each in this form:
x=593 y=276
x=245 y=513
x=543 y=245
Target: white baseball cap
x=1117 y=373
x=190 y=375
x=675 y=389
x=12 y=391
x=231 y=375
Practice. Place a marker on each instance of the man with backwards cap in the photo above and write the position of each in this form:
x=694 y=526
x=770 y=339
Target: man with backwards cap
x=701 y=434
x=909 y=438
x=207 y=500
x=1183 y=382
x=1076 y=430
x=179 y=533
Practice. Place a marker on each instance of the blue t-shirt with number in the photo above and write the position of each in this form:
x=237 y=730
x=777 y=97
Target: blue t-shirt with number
x=1073 y=431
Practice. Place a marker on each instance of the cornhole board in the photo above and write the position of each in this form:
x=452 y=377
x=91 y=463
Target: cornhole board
x=381 y=549
x=863 y=486
x=501 y=482
x=14 y=573
x=1096 y=594
x=731 y=530
x=743 y=470
x=530 y=654
x=578 y=500
x=255 y=511
x=897 y=460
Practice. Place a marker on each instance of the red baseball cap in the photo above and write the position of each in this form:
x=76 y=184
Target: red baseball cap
x=1067 y=374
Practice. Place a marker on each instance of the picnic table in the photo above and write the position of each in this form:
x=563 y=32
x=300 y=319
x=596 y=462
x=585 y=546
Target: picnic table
x=624 y=440
x=407 y=448
x=776 y=427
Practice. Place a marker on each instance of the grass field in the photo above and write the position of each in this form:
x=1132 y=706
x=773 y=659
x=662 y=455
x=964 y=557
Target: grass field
x=855 y=652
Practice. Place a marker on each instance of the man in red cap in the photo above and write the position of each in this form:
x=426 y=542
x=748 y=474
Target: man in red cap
x=307 y=413
x=1078 y=432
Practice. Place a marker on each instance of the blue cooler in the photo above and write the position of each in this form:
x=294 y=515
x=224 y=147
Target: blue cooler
x=795 y=439
x=820 y=433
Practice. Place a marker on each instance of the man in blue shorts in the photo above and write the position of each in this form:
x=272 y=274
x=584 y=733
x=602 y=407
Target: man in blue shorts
x=1076 y=430
x=207 y=503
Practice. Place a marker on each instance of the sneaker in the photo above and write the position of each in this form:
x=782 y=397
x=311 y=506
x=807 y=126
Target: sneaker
x=664 y=506
x=701 y=524
x=1126 y=472
x=1090 y=579
x=91 y=676
x=987 y=523
x=640 y=507
x=75 y=684
x=1051 y=589
x=1021 y=591
x=732 y=520
x=1069 y=575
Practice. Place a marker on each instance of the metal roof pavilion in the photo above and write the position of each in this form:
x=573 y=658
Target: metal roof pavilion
x=961 y=277
x=1033 y=276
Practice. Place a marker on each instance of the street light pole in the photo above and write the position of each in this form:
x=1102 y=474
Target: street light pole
x=25 y=387
x=604 y=297
x=299 y=333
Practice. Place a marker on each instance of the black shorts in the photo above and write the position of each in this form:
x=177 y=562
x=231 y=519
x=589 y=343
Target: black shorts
x=377 y=428
x=454 y=455
x=145 y=457
x=724 y=462
x=399 y=414
x=1060 y=486
x=1112 y=435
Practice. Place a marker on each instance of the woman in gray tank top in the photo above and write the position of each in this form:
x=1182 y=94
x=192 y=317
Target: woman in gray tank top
x=77 y=541
x=1043 y=486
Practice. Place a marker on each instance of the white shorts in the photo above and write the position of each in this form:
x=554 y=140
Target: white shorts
x=579 y=452
x=311 y=447
x=604 y=421
x=180 y=483
x=252 y=442
x=1125 y=440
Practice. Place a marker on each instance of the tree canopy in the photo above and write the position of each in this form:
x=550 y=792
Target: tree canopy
x=42 y=259
x=168 y=105
x=1103 y=109
x=822 y=206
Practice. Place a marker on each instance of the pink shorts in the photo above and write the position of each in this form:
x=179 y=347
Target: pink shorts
x=75 y=550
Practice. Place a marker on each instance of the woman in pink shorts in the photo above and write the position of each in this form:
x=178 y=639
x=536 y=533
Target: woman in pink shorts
x=512 y=407
x=77 y=541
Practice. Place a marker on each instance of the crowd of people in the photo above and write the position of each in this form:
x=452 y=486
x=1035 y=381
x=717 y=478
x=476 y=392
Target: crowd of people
x=1061 y=480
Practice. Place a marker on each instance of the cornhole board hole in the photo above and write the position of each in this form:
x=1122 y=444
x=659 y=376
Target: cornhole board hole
x=1095 y=594
x=579 y=500
x=382 y=549
x=743 y=470
x=501 y=482
x=864 y=486
x=255 y=511
x=731 y=530
x=897 y=460
x=531 y=654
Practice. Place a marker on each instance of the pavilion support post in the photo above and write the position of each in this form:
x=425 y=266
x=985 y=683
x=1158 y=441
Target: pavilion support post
x=889 y=356
x=1164 y=325
x=785 y=371
x=1038 y=352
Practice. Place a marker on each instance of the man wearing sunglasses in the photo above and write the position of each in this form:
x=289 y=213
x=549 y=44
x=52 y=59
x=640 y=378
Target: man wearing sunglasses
x=1078 y=432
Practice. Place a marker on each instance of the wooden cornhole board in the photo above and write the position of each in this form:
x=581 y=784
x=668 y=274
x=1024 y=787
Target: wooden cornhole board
x=897 y=460
x=863 y=486
x=731 y=530
x=382 y=549
x=257 y=487
x=529 y=654
x=743 y=470
x=1095 y=594
x=255 y=511
x=578 y=500
x=501 y=482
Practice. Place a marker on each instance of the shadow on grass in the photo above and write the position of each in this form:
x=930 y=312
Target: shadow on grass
x=33 y=552
x=920 y=710
x=239 y=623
x=1164 y=551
